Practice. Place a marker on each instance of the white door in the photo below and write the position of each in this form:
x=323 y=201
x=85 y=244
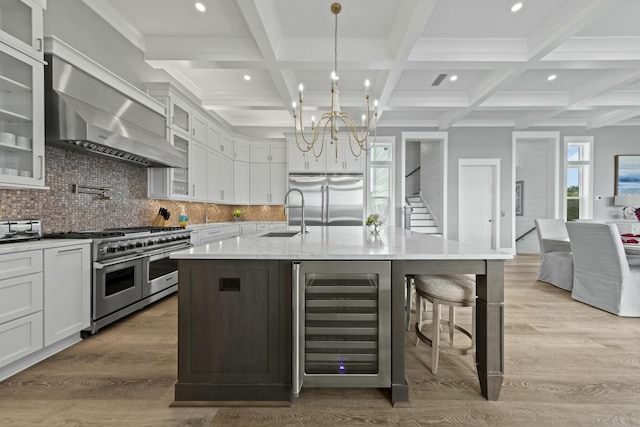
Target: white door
x=478 y=202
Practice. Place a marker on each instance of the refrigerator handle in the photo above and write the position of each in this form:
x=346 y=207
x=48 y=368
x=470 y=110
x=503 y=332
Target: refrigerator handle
x=298 y=338
x=326 y=204
x=323 y=204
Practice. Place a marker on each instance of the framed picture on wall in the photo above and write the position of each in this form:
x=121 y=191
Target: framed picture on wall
x=627 y=174
x=519 y=197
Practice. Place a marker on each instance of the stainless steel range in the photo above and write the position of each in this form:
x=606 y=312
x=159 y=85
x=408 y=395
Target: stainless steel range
x=131 y=268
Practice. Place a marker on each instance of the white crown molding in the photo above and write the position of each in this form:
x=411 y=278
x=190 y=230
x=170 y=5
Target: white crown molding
x=117 y=21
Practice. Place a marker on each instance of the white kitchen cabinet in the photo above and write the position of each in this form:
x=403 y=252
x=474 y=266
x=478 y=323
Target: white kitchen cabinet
x=190 y=183
x=241 y=186
x=247 y=229
x=214 y=233
x=20 y=338
x=226 y=146
x=67 y=291
x=21 y=305
x=268 y=153
x=198 y=172
x=199 y=127
x=304 y=162
x=220 y=177
x=330 y=161
x=21 y=25
x=241 y=151
x=179 y=114
x=21 y=119
x=268 y=184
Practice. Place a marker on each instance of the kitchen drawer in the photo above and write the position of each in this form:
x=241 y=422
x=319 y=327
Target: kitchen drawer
x=20 y=337
x=218 y=233
x=20 y=264
x=20 y=296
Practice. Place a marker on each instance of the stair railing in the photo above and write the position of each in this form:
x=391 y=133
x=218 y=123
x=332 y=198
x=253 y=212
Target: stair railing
x=527 y=232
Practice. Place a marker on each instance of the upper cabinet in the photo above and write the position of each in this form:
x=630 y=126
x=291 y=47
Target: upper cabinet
x=275 y=152
x=21 y=95
x=21 y=25
x=332 y=159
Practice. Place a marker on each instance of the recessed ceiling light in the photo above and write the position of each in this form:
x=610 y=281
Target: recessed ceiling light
x=453 y=78
x=247 y=77
x=551 y=77
x=201 y=7
x=516 y=7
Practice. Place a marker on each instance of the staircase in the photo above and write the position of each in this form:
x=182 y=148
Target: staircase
x=421 y=220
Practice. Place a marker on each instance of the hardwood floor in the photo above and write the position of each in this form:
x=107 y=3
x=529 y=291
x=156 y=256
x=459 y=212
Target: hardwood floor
x=566 y=364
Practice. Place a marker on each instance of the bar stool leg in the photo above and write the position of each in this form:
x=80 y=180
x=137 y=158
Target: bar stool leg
x=452 y=323
x=435 y=342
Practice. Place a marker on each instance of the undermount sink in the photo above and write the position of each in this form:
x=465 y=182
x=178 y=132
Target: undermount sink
x=281 y=234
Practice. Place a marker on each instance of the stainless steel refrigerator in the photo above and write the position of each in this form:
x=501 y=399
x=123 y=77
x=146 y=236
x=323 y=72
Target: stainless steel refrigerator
x=328 y=199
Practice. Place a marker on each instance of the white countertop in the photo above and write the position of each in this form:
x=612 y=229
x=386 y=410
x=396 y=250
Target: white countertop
x=29 y=245
x=193 y=227
x=341 y=243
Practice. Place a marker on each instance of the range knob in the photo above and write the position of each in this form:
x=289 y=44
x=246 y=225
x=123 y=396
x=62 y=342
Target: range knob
x=131 y=245
x=139 y=244
x=111 y=249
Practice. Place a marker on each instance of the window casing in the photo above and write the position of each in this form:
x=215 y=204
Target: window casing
x=578 y=178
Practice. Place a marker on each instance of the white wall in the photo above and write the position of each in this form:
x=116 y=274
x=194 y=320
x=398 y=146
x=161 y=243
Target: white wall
x=532 y=168
x=412 y=162
x=431 y=176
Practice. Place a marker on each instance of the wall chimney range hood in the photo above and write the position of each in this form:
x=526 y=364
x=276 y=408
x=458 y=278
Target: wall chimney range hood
x=83 y=113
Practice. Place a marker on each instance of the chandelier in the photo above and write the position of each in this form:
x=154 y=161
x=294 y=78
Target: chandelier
x=331 y=121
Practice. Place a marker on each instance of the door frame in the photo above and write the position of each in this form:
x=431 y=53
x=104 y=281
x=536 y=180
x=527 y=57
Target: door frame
x=441 y=138
x=495 y=164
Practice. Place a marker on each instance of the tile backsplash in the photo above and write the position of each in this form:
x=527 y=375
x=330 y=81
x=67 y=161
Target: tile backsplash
x=62 y=210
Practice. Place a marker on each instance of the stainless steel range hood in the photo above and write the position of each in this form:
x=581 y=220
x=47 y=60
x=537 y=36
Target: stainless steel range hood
x=83 y=113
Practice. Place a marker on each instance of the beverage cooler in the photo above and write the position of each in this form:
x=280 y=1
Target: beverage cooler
x=342 y=324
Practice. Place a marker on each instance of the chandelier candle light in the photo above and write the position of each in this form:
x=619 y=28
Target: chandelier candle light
x=357 y=135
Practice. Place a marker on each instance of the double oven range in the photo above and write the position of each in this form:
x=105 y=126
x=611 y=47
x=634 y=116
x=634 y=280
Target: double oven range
x=131 y=268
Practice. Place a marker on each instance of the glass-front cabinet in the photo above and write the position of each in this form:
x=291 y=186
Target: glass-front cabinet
x=21 y=24
x=21 y=119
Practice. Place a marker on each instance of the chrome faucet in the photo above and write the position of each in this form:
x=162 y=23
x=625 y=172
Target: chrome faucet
x=303 y=228
x=206 y=213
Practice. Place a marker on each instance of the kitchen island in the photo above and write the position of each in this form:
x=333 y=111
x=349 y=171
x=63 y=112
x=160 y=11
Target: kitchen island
x=236 y=305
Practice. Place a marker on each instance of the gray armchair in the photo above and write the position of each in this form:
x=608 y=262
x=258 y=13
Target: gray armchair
x=556 y=263
x=603 y=277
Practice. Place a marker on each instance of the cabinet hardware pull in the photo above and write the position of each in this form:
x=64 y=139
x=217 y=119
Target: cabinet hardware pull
x=69 y=250
x=39 y=49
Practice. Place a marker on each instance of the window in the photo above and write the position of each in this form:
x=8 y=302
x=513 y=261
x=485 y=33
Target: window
x=579 y=180
x=380 y=179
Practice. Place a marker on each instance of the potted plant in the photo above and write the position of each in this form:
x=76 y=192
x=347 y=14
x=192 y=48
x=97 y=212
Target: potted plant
x=237 y=213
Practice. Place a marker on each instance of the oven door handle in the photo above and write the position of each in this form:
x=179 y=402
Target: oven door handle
x=100 y=265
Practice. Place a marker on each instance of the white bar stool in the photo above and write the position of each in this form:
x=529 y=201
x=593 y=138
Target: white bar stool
x=453 y=291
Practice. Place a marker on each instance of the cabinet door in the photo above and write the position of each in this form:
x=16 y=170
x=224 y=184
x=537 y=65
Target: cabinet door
x=259 y=154
x=20 y=296
x=278 y=183
x=297 y=160
x=241 y=151
x=199 y=128
x=241 y=185
x=180 y=115
x=226 y=146
x=21 y=26
x=259 y=191
x=278 y=153
x=226 y=179
x=20 y=263
x=179 y=185
x=67 y=291
x=20 y=337
x=213 y=138
x=254 y=296
x=214 y=187
x=198 y=171
x=21 y=120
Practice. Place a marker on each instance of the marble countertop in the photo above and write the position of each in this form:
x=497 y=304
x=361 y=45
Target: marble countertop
x=341 y=243
x=29 y=245
x=194 y=227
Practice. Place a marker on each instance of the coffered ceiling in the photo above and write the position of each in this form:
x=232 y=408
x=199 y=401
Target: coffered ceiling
x=502 y=59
